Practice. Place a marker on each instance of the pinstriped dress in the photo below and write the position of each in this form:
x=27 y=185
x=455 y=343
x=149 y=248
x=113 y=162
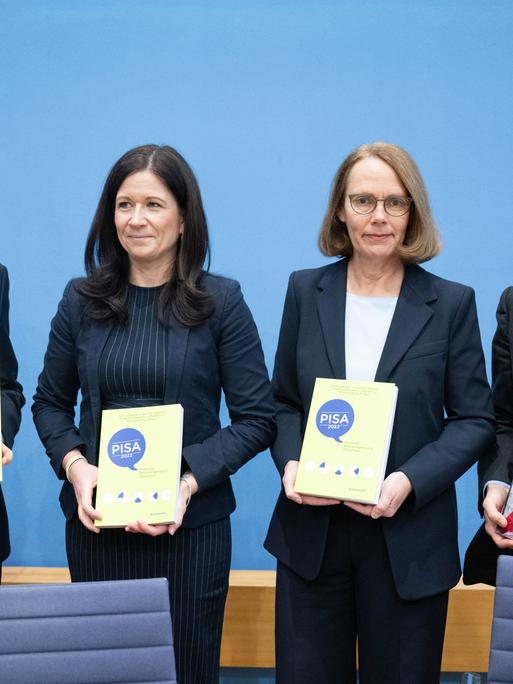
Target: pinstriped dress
x=196 y=561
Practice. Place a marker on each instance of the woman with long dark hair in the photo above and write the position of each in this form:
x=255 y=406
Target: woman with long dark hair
x=149 y=326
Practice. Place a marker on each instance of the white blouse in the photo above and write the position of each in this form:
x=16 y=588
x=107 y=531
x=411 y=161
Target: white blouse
x=367 y=322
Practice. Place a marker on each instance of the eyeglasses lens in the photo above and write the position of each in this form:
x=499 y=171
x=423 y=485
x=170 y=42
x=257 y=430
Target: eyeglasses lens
x=394 y=206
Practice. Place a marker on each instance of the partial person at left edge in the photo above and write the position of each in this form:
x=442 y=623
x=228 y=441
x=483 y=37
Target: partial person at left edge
x=12 y=401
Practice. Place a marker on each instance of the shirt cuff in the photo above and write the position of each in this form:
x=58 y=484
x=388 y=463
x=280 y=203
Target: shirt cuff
x=497 y=482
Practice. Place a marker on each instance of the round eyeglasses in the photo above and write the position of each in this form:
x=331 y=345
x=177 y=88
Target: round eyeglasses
x=394 y=205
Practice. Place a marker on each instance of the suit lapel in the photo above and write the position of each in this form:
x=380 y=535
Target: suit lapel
x=177 y=340
x=411 y=315
x=98 y=335
x=331 y=306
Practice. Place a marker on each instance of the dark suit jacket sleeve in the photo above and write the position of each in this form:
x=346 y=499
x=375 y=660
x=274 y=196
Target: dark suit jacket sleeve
x=12 y=397
x=290 y=414
x=57 y=389
x=498 y=463
x=248 y=398
x=469 y=425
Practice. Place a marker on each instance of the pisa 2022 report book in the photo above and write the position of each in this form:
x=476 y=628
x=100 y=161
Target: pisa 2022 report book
x=347 y=438
x=139 y=465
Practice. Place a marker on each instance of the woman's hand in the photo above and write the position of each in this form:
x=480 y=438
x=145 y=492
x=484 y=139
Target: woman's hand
x=188 y=487
x=493 y=504
x=289 y=481
x=83 y=476
x=6 y=455
x=394 y=490
x=141 y=527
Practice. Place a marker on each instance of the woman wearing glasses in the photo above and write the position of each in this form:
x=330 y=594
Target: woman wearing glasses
x=380 y=573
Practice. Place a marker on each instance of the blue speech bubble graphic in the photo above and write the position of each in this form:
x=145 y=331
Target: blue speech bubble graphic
x=126 y=448
x=335 y=418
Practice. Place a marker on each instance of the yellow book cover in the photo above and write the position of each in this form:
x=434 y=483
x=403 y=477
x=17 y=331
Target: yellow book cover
x=139 y=465
x=347 y=437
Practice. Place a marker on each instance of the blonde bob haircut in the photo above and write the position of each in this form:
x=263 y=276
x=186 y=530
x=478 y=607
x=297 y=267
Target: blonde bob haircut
x=422 y=240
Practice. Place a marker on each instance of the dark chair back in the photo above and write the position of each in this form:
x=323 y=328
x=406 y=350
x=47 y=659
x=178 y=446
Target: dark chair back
x=500 y=666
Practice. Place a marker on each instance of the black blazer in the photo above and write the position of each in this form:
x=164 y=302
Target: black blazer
x=497 y=464
x=443 y=423
x=12 y=397
x=224 y=353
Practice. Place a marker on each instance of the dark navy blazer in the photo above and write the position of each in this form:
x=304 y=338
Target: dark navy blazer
x=497 y=464
x=224 y=353
x=12 y=397
x=444 y=419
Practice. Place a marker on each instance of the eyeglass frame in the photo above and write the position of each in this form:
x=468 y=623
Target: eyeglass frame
x=408 y=200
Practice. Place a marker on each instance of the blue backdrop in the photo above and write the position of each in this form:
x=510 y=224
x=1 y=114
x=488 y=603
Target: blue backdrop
x=264 y=99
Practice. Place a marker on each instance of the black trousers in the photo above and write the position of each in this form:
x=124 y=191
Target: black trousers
x=196 y=563
x=318 y=622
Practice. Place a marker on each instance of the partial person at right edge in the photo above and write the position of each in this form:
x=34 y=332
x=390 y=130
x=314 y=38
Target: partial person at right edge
x=495 y=469
x=12 y=401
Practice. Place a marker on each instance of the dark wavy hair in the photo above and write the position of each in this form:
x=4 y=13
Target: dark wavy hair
x=107 y=263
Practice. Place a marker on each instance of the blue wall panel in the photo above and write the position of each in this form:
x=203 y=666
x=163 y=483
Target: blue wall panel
x=264 y=99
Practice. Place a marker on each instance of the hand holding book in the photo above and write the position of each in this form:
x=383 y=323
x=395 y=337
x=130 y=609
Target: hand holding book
x=495 y=520
x=188 y=487
x=6 y=455
x=83 y=476
x=394 y=491
x=289 y=482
